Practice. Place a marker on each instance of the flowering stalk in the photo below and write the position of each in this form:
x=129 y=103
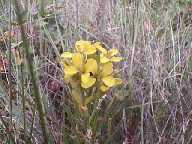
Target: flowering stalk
x=90 y=73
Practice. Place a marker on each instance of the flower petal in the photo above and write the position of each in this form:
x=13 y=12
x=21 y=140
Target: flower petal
x=91 y=66
x=116 y=59
x=107 y=69
x=100 y=48
x=104 y=59
x=66 y=55
x=104 y=88
x=85 y=77
x=113 y=52
x=64 y=63
x=70 y=70
x=82 y=45
x=109 y=81
x=90 y=49
x=77 y=60
x=89 y=83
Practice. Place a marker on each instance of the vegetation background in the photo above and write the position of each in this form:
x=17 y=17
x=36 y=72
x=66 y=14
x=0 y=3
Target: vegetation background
x=155 y=101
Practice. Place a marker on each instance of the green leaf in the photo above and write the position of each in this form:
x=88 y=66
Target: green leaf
x=88 y=100
x=77 y=97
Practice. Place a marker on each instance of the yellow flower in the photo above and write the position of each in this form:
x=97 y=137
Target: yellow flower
x=107 y=78
x=77 y=64
x=110 y=56
x=74 y=66
x=98 y=46
x=77 y=61
x=66 y=55
x=87 y=69
x=90 y=70
x=65 y=58
x=85 y=47
x=70 y=70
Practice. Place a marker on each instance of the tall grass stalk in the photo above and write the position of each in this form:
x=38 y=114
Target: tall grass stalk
x=36 y=92
x=23 y=102
x=9 y=72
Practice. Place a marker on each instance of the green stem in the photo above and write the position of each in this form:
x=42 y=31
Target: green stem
x=36 y=92
x=9 y=71
x=23 y=102
x=93 y=121
x=42 y=9
x=32 y=123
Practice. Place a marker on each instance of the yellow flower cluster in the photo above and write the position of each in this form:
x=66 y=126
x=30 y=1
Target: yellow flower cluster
x=91 y=65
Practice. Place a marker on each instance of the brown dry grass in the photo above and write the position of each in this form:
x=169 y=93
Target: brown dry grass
x=154 y=37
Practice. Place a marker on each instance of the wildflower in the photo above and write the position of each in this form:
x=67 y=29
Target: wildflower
x=107 y=78
x=98 y=46
x=66 y=55
x=85 y=47
x=88 y=77
x=90 y=66
x=86 y=69
x=110 y=56
x=72 y=66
